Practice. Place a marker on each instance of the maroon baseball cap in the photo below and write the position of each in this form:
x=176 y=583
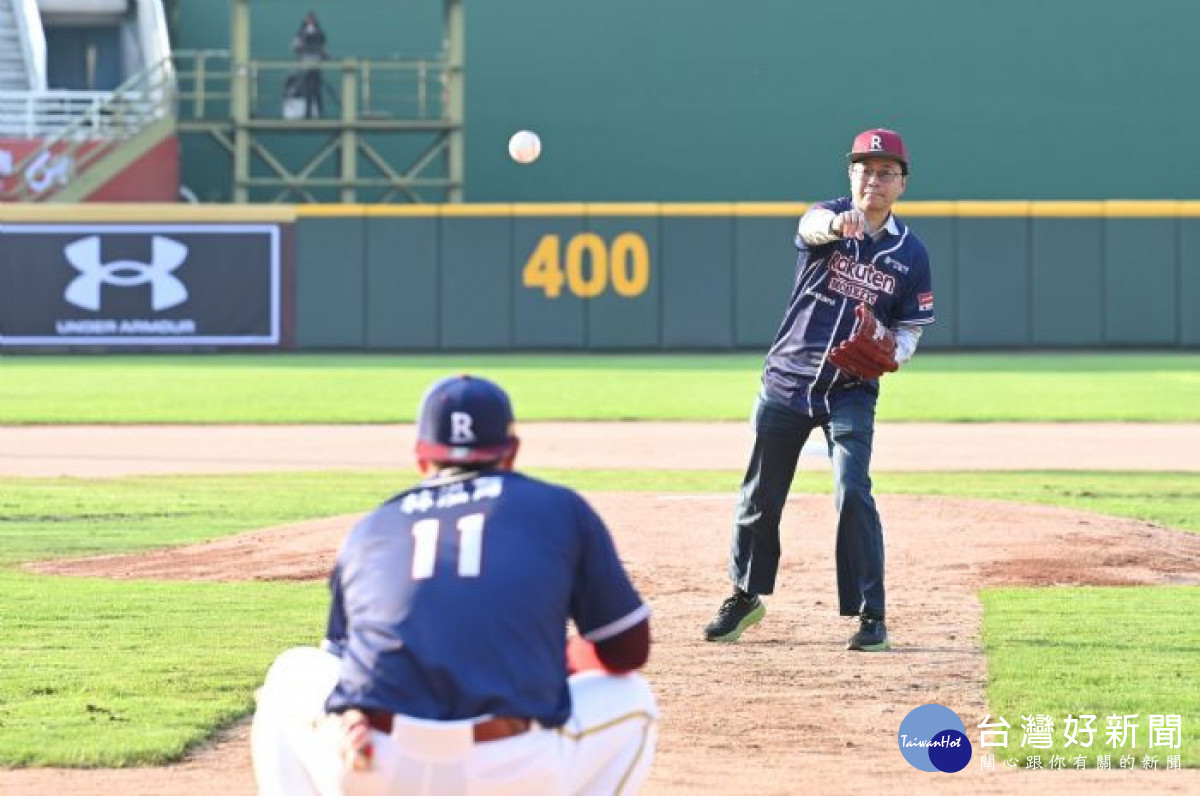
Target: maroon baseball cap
x=879 y=143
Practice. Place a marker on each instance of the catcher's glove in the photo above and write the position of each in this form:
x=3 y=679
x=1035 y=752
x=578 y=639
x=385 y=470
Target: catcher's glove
x=869 y=351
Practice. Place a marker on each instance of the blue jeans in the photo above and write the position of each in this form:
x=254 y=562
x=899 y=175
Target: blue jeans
x=780 y=434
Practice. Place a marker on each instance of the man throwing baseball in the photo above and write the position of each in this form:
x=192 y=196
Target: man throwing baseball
x=861 y=296
x=446 y=667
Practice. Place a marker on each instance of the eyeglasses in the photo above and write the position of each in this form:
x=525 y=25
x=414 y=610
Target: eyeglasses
x=884 y=176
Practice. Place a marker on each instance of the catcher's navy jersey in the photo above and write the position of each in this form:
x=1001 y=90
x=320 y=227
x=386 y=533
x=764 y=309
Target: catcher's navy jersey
x=451 y=600
x=890 y=275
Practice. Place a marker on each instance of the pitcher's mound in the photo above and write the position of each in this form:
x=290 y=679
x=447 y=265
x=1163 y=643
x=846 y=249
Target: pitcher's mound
x=787 y=710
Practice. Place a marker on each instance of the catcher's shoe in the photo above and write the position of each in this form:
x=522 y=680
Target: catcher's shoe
x=735 y=615
x=871 y=636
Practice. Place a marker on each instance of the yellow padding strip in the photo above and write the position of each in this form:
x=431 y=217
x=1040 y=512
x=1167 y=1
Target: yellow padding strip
x=918 y=209
x=788 y=209
x=402 y=211
x=128 y=212
x=1142 y=209
x=992 y=209
x=930 y=209
x=548 y=209
x=623 y=208
x=478 y=211
x=137 y=212
x=697 y=208
x=330 y=210
x=1067 y=209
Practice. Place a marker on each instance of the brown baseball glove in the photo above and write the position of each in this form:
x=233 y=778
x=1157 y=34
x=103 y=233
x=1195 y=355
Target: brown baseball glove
x=869 y=351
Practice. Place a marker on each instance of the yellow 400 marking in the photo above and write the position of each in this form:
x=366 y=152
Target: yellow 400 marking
x=590 y=264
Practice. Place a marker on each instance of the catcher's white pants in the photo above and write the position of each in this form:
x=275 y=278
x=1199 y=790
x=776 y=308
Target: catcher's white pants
x=605 y=748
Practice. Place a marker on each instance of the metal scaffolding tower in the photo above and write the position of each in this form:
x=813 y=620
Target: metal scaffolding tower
x=397 y=134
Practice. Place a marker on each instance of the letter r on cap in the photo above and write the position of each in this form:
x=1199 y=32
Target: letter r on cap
x=876 y=142
x=460 y=427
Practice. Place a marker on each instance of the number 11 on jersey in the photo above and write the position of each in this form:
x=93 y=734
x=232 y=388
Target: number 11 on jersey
x=470 y=546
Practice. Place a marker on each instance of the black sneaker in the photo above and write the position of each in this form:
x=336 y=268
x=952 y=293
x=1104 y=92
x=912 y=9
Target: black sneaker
x=871 y=635
x=735 y=615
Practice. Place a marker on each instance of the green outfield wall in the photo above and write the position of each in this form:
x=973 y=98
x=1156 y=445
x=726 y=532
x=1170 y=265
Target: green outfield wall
x=599 y=276
x=717 y=275
x=708 y=100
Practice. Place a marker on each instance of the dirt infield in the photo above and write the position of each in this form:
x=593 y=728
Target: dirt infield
x=107 y=451
x=788 y=710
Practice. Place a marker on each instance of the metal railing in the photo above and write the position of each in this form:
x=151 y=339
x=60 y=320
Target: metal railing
x=79 y=130
x=205 y=83
x=402 y=89
x=44 y=114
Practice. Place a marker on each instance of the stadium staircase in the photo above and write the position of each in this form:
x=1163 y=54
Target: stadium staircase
x=22 y=44
x=84 y=138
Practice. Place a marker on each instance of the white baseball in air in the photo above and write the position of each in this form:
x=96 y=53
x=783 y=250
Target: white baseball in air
x=524 y=146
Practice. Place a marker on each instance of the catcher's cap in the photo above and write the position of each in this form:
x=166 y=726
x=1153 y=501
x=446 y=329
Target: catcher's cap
x=879 y=143
x=465 y=419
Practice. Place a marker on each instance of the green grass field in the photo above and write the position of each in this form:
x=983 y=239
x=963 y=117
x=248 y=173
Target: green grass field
x=99 y=673
x=386 y=389
x=108 y=673
x=1103 y=652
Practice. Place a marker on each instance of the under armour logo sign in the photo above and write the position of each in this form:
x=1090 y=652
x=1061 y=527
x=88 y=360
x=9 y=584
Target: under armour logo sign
x=876 y=143
x=166 y=290
x=460 y=428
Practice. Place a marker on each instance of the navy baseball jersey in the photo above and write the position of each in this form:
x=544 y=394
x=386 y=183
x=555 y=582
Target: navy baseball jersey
x=890 y=275
x=451 y=600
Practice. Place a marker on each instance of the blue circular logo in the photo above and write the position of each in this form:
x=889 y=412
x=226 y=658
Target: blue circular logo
x=933 y=738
